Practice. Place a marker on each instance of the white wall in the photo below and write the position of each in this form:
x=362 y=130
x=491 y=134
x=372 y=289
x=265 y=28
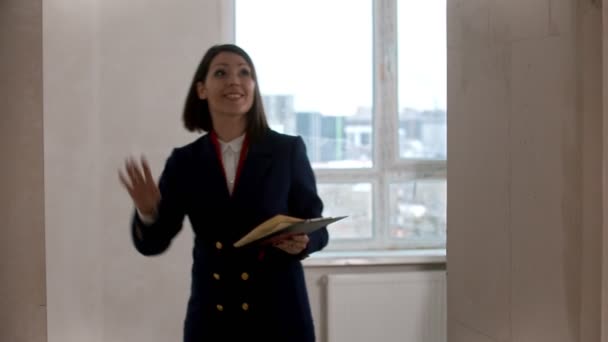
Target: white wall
x=524 y=164
x=72 y=167
x=114 y=82
x=149 y=51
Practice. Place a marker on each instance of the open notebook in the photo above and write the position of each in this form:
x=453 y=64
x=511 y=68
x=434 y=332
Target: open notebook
x=280 y=224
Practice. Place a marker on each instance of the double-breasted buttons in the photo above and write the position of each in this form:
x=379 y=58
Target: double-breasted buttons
x=245 y=276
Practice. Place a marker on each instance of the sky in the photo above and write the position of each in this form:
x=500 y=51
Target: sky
x=321 y=51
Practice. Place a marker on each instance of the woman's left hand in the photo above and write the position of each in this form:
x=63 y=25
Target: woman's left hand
x=292 y=244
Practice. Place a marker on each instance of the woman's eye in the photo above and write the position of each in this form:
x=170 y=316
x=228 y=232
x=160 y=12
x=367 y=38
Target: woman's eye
x=219 y=73
x=245 y=72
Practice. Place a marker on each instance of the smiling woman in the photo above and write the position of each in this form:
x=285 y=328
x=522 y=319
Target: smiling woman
x=225 y=72
x=229 y=86
x=227 y=182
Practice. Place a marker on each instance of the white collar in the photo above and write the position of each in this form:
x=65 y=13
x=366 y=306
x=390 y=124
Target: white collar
x=235 y=144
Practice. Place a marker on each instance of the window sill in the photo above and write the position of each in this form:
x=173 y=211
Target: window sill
x=369 y=258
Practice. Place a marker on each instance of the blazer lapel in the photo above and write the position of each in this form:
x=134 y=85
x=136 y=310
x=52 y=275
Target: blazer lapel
x=213 y=181
x=255 y=168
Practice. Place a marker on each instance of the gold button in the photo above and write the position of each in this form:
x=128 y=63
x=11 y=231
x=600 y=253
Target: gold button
x=219 y=307
x=216 y=276
x=245 y=306
x=245 y=276
x=218 y=245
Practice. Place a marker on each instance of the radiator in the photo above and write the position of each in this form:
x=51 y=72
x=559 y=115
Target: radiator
x=387 y=307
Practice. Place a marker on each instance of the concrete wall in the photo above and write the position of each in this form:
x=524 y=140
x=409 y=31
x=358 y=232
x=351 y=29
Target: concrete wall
x=524 y=166
x=22 y=265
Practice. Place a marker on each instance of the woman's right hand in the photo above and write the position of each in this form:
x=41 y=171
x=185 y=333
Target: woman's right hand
x=141 y=186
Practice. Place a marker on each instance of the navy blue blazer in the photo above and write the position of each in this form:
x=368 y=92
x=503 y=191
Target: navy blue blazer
x=256 y=291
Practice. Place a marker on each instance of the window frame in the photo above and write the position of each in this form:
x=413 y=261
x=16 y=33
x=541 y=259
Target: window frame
x=388 y=167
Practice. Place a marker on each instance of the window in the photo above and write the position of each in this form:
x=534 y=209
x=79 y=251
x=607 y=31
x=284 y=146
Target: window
x=364 y=83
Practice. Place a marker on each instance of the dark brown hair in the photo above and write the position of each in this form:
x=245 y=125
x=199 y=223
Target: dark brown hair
x=196 y=114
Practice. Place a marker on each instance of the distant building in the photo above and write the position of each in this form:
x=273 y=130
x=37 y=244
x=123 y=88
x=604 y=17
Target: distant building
x=323 y=135
x=421 y=134
x=359 y=132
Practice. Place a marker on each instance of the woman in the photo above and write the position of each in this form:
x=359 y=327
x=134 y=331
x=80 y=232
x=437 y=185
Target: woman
x=227 y=182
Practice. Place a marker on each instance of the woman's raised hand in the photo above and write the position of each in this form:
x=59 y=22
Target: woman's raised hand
x=141 y=186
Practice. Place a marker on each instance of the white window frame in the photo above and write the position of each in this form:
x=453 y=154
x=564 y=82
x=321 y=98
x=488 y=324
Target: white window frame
x=388 y=167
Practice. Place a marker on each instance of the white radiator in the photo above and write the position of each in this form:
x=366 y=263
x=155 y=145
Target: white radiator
x=387 y=307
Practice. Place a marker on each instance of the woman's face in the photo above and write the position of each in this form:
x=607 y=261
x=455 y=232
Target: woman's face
x=229 y=86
